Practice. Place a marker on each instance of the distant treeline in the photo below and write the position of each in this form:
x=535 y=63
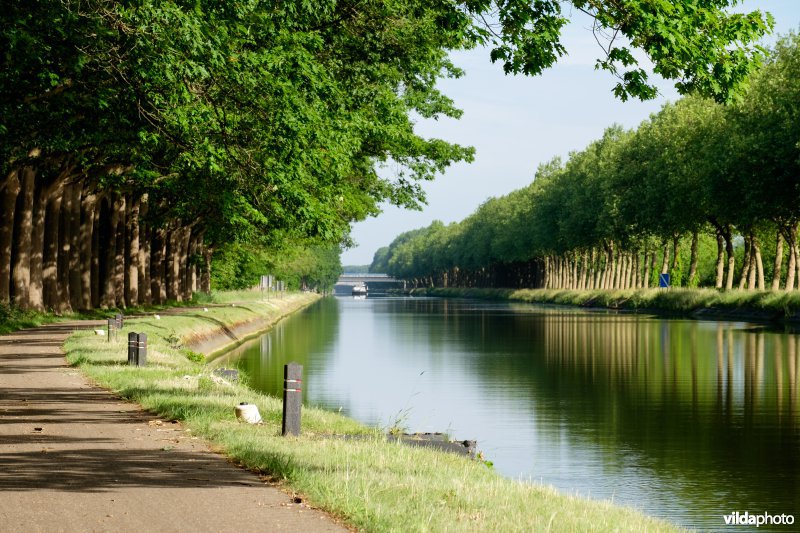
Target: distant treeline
x=708 y=193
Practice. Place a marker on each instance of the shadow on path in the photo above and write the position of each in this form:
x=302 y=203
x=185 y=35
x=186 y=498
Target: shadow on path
x=92 y=469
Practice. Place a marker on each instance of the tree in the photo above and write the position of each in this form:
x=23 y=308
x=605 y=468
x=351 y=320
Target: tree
x=143 y=136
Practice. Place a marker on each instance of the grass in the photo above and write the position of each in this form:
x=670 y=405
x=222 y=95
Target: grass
x=12 y=318
x=227 y=297
x=780 y=304
x=370 y=483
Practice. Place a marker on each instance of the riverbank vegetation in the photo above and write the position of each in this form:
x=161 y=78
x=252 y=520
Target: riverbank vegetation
x=139 y=140
x=703 y=192
x=756 y=305
x=337 y=464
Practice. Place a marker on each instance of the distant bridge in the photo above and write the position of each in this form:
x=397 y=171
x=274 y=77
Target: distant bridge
x=376 y=283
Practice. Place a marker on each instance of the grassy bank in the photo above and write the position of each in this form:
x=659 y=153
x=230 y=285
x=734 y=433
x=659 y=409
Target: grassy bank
x=370 y=483
x=775 y=305
x=12 y=318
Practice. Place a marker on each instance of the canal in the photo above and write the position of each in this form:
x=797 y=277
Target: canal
x=686 y=420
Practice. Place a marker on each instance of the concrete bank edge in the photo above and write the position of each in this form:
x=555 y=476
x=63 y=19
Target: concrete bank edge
x=225 y=338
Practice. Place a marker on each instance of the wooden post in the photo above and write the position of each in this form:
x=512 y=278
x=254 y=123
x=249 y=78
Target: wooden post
x=112 y=326
x=133 y=342
x=141 y=349
x=292 y=398
x=118 y=319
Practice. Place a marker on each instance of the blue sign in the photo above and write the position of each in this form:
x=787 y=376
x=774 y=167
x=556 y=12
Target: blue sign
x=663 y=281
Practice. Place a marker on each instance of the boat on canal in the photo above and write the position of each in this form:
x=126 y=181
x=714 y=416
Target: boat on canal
x=360 y=289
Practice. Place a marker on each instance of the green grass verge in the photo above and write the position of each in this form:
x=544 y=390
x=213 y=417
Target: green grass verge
x=781 y=304
x=12 y=318
x=370 y=483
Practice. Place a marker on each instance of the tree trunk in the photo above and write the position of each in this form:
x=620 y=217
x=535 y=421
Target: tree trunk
x=173 y=264
x=196 y=238
x=575 y=274
x=120 y=260
x=676 y=252
x=10 y=190
x=109 y=298
x=76 y=287
x=97 y=252
x=205 y=279
x=145 y=238
x=720 y=261
x=759 y=263
x=665 y=258
x=183 y=264
x=746 y=262
x=590 y=277
x=88 y=208
x=776 y=271
x=652 y=267
x=584 y=270
x=692 y=281
x=36 y=291
x=21 y=248
x=62 y=264
x=51 y=247
x=608 y=282
x=133 y=256
x=646 y=272
x=157 y=272
x=625 y=268
x=731 y=257
x=545 y=272
x=790 y=272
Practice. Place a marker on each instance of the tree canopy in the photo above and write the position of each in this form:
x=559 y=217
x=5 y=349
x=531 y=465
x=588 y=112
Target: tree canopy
x=697 y=173
x=159 y=131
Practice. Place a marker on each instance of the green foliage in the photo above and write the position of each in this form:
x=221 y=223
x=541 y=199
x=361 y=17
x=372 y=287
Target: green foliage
x=266 y=122
x=240 y=266
x=13 y=319
x=696 y=166
x=704 y=48
x=255 y=121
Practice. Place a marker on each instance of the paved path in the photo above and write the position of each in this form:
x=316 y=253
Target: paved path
x=73 y=457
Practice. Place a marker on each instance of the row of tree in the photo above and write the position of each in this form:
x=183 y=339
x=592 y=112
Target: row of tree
x=709 y=193
x=75 y=248
x=139 y=138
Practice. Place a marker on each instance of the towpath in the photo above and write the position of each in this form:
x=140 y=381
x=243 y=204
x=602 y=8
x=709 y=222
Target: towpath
x=74 y=457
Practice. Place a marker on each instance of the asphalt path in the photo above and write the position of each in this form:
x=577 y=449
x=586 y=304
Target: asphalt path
x=73 y=457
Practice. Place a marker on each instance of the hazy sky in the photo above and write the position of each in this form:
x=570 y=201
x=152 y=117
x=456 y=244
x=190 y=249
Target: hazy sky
x=515 y=123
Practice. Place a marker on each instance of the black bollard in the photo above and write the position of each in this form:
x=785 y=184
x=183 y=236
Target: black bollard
x=141 y=349
x=133 y=343
x=292 y=398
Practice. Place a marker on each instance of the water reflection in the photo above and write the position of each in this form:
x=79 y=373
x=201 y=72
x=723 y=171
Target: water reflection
x=687 y=420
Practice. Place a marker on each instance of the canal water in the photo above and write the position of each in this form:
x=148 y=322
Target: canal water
x=683 y=419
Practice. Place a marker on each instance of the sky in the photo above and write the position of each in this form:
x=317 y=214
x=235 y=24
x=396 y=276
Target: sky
x=516 y=123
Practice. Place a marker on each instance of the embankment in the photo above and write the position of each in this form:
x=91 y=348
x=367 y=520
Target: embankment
x=760 y=306
x=229 y=326
x=370 y=482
